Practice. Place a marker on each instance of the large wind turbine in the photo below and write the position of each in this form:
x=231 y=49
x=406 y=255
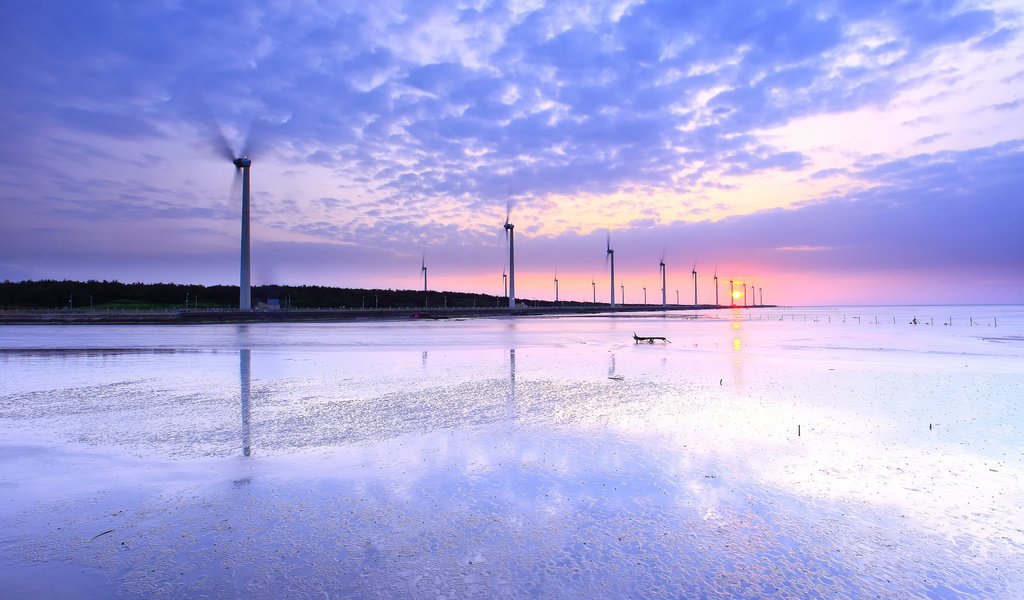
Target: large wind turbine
x=423 y=269
x=695 y=284
x=510 y=235
x=244 y=287
x=610 y=256
x=242 y=164
x=661 y=266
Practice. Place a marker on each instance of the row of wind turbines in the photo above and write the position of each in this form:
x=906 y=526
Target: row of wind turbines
x=509 y=280
x=243 y=163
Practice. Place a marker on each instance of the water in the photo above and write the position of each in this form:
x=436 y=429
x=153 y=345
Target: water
x=782 y=452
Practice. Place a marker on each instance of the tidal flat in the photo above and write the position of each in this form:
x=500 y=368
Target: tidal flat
x=815 y=452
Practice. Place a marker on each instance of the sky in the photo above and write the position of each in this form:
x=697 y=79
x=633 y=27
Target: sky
x=842 y=152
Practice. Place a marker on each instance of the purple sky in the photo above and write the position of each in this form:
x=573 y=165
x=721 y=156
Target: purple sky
x=830 y=152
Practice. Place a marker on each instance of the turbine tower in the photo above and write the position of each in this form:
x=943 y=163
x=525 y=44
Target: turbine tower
x=504 y=281
x=661 y=266
x=744 y=294
x=732 y=294
x=244 y=288
x=556 y=286
x=695 y=284
x=610 y=256
x=510 y=234
x=423 y=269
x=593 y=288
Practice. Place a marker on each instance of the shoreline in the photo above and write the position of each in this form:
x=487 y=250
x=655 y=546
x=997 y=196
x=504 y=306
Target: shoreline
x=206 y=317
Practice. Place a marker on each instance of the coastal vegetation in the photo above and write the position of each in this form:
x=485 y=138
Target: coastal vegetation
x=97 y=295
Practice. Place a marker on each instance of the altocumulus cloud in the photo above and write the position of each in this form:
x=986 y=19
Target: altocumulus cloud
x=417 y=115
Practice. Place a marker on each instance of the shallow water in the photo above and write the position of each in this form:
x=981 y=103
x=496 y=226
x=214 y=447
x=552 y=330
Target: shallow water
x=783 y=452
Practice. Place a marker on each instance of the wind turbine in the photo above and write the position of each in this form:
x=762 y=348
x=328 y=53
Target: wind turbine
x=744 y=294
x=556 y=286
x=645 y=294
x=661 y=266
x=695 y=284
x=423 y=269
x=504 y=281
x=610 y=256
x=623 y=294
x=716 y=286
x=510 y=235
x=593 y=288
x=242 y=164
x=732 y=294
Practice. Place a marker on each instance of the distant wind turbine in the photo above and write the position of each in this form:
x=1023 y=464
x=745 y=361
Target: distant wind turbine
x=716 y=286
x=695 y=284
x=593 y=288
x=610 y=257
x=744 y=294
x=556 y=286
x=645 y=294
x=661 y=266
x=511 y=237
x=423 y=269
x=732 y=294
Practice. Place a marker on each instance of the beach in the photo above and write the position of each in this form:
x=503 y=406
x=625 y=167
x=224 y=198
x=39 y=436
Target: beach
x=782 y=452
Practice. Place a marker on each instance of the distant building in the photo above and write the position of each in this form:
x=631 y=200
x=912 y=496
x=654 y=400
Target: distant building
x=270 y=304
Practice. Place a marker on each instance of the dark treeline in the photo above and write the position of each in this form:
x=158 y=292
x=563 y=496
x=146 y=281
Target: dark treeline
x=50 y=294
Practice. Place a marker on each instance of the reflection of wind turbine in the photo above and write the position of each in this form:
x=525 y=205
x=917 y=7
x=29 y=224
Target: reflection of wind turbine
x=661 y=267
x=512 y=382
x=244 y=381
x=511 y=237
x=695 y=284
x=610 y=257
x=423 y=269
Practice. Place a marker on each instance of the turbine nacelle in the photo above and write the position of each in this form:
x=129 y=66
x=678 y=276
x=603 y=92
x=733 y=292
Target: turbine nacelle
x=242 y=162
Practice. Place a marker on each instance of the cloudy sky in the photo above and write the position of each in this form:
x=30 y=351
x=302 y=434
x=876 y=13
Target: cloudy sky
x=827 y=152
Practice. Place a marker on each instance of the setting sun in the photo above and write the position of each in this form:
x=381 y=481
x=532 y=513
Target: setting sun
x=737 y=294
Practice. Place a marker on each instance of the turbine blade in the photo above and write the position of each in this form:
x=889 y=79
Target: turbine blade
x=255 y=138
x=220 y=143
x=212 y=131
x=236 y=184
